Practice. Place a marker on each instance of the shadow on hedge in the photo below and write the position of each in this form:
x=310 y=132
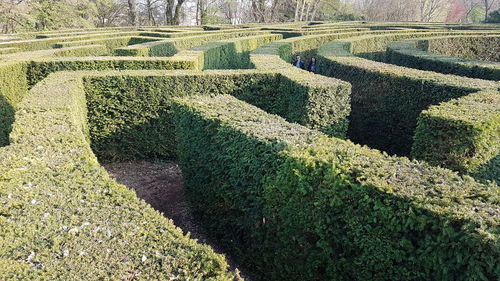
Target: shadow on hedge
x=6 y=119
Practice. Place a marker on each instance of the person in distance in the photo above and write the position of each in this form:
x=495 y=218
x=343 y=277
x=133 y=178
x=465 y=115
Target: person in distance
x=312 y=65
x=298 y=62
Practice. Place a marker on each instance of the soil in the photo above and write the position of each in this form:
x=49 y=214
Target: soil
x=161 y=185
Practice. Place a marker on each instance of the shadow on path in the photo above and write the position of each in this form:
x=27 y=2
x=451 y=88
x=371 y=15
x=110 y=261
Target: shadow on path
x=161 y=185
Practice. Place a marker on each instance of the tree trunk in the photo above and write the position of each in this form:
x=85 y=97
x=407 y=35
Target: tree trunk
x=297 y=5
x=262 y=11
x=203 y=13
x=255 y=12
x=177 y=13
x=274 y=9
x=169 y=12
x=308 y=10
x=487 y=6
x=131 y=12
x=314 y=10
x=198 y=21
x=302 y=10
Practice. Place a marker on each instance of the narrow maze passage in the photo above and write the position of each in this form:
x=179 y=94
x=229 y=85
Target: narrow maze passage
x=161 y=185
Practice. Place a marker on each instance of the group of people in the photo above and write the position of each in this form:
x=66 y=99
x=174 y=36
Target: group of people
x=311 y=67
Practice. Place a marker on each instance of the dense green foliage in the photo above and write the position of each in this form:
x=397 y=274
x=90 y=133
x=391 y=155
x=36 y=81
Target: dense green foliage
x=374 y=46
x=479 y=48
x=232 y=53
x=130 y=116
x=13 y=88
x=407 y=53
x=387 y=100
x=40 y=68
x=171 y=46
x=65 y=213
x=297 y=205
x=456 y=136
x=263 y=160
x=47 y=43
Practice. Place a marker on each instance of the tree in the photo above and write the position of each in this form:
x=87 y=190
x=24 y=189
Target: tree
x=234 y=10
x=177 y=12
x=488 y=5
x=56 y=14
x=431 y=9
x=305 y=10
x=173 y=10
x=108 y=12
x=494 y=17
x=389 y=10
x=456 y=12
x=132 y=15
x=14 y=16
x=259 y=10
x=151 y=7
x=471 y=6
x=476 y=15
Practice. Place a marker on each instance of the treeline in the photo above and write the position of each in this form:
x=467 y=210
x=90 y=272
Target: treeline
x=29 y=15
x=464 y=11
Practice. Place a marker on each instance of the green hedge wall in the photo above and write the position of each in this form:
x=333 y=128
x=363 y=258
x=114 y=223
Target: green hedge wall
x=41 y=67
x=13 y=88
x=373 y=46
x=40 y=44
x=63 y=218
x=171 y=46
x=462 y=135
x=8 y=50
x=296 y=205
x=111 y=43
x=232 y=53
x=289 y=201
x=387 y=101
x=100 y=32
x=139 y=126
x=479 y=48
x=274 y=56
x=407 y=53
x=79 y=51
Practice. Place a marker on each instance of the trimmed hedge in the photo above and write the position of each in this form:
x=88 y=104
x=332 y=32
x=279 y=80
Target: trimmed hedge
x=79 y=51
x=463 y=135
x=306 y=46
x=169 y=47
x=296 y=205
x=478 y=48
x=387 y=100
x=136 y=127
x=268 y=57
x=316 y=31
x=111 y=43
x=65 y=32
x=39 y=44
x=229 y=54
x=86 y=32
x=8 y=50
x=41 y=67
x=13 y=88
x=293 y=203
x=374 y=46
x=407 y=53
x=63 y=218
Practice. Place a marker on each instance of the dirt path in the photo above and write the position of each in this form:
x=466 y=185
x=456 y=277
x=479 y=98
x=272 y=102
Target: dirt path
x=160 y=184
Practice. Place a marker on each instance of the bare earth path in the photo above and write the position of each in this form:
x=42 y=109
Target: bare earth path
x=160 y=184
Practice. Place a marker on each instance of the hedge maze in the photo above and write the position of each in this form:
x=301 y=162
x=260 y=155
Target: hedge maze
x=382 y=166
